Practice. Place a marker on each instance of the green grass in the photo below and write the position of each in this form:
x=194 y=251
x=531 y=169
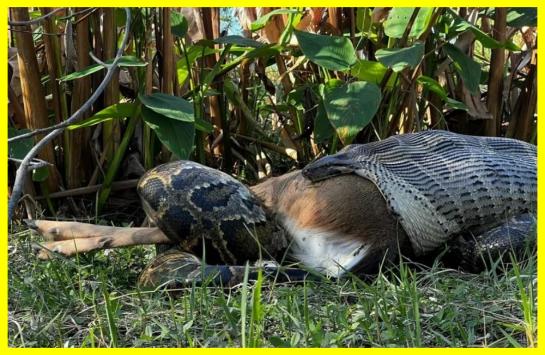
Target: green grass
x=92 y=301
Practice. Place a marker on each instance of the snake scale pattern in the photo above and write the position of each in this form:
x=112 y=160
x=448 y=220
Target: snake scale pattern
x=205 y=210
x=437 y=184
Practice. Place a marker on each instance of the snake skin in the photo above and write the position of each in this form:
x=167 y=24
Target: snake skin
x=513 y=238
x=176 y=268
x=440 y=184
x=209 y=213
x=476 y=193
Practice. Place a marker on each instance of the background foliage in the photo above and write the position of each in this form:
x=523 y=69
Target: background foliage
x=257 y=91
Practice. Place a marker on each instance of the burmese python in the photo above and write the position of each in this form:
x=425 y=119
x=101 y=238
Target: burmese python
x=441 y=186
x=212 y=215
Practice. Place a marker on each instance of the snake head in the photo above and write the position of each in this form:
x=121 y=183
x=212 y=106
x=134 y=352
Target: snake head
x=329 y=166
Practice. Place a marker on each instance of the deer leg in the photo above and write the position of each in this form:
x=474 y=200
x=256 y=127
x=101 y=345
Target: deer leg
x=56 y=230
x=70 y=238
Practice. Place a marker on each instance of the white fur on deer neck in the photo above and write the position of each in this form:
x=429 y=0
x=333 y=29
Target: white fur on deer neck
x=324 y=251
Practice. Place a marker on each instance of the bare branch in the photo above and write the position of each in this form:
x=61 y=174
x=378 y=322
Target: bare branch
x=36 y=20
x=97 y=60
x=22 y=170
x=34 y=164
x=49 y=14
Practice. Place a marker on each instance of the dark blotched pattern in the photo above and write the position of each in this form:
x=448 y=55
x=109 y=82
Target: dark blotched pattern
x=202 y=208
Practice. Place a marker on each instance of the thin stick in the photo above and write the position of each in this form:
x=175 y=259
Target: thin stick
x=37 y=19
x=117 y=185
x=49 y=14
x=34 y=164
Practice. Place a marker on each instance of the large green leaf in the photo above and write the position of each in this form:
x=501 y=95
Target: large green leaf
x=176 y=135
x=364 y=18
x=265 y=51
x=460 y=25
x=434 y=86
x=178 y=24
x=373 y=72
x=400 y=58
x=351 y=107
x=170 y=106
x=364 y=24
x=323 y=130
x=125 y=61
x=522 y=16
x=399 y=17
x=262 y=21
x=193 y=53
x=120 y=110
x=239 y=41
x=176 y=108
x=468 y=69
x=330 y=52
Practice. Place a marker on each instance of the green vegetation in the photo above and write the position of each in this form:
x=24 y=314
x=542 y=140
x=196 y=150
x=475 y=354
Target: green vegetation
x=91 y=301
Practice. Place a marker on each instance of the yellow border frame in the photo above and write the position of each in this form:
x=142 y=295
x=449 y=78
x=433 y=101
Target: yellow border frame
x=276 y=3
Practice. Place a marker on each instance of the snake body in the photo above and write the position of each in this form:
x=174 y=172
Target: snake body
x=438 y=185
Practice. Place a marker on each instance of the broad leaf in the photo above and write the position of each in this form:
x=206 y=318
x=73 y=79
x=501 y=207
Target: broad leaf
x=239 y=41
x=176 y=135
x=432 y=85
x=323 y=130
x=364 y=18
x=262 y=21
x=373 y=72
x=400 y=58
x=399 y=17
x=489 y=42
x=522 y=16
x=170 y=106
x=125 y=61
x=121 y=110
x=455 y=104
x=461 y=25
x=468 y=69
x=264 y=52
x=330 y=52
x=193 y=53
x=364 y=24
x=351 y=107
x=178 y=24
